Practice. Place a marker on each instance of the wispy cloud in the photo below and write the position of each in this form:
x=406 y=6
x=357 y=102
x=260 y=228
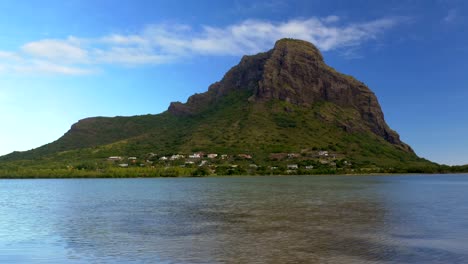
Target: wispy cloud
x=168 y=43
x=54 y=50
x=7 y=55
x=45 y=67
x=452 y=16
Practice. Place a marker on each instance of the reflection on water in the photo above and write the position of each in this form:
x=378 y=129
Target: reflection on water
x=300 y=219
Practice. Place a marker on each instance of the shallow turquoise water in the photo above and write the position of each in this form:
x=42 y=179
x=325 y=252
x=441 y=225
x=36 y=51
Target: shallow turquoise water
x=294 y=219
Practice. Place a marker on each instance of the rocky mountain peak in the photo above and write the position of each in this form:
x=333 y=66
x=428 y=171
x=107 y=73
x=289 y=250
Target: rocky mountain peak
x=294 y=71
x=296 y=47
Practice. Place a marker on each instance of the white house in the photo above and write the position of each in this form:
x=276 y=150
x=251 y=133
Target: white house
x=293 y=167
x=195 y=156
x=323 y=153
x=176 y=157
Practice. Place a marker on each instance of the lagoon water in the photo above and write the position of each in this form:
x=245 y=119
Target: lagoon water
x=289 y=219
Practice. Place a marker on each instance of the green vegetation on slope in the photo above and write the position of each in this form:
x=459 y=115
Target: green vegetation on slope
x=235 y=126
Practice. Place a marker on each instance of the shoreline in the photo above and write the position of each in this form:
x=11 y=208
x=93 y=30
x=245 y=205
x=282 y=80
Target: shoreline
x=239 y=176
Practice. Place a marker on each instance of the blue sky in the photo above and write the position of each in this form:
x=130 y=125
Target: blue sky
x=61 y=61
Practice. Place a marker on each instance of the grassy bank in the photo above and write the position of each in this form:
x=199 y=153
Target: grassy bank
x=137 y=172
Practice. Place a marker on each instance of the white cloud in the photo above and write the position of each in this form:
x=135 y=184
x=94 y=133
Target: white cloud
x=116 y=39
x=331 y=19
x=130 y=56
x=252 y=36
x=7 y=55
x=166 y=43
x=56 y=50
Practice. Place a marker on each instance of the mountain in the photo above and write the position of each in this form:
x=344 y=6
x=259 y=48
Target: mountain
x=286 y=100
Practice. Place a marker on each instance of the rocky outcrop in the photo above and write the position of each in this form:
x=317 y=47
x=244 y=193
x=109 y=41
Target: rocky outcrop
x=297 y=73
x=294 y=71
x=244 y=76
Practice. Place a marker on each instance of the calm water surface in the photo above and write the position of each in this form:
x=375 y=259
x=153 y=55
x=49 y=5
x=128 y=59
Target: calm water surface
x=296 y=219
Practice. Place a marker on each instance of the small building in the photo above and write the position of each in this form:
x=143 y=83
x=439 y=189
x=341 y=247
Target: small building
x=123 y=165
x=323 y=153
x=212 y=155
x=132 y=158
x=203 y=162
x=163 y=158
x=195 y=156
x=244 y=156
x=114 y=158
x=309 y=167
x=253 y=166
x=224 y=156
x=293 y=167
x=293 y=155
x=176 y=157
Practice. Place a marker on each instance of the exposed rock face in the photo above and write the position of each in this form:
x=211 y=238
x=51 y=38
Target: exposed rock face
x=294 y=71
x=244 y=76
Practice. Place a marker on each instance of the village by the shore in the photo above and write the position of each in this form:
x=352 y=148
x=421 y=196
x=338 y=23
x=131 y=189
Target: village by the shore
x=214 y=162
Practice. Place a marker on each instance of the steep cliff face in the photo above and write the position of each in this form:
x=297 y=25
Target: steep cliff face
x=245 y=76
x=294 y=71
